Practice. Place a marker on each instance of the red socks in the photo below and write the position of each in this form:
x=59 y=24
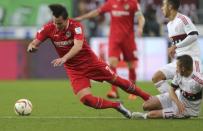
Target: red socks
x=129 y=87
x=98 y=103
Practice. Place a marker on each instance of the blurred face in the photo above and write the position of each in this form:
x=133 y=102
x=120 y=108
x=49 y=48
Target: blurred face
x=165 y=9
x=180 y=69
x=59 y=22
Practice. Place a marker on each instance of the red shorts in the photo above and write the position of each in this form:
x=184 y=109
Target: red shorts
x=80 y=78
x=126 y=47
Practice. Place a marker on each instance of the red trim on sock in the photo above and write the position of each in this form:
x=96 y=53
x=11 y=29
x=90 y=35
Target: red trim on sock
x=97 y=102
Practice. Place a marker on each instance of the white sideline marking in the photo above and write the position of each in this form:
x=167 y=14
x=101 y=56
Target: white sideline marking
x=58 y=117
x=73 y=117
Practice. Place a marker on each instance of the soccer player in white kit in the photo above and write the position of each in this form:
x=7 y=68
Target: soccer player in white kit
x=184 y=98
x=183 y=35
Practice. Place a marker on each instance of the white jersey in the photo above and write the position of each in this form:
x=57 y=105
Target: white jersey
x=178 y=29
x=190 y=92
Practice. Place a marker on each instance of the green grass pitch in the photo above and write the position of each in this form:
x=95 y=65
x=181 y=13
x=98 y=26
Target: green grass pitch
x=56 y=108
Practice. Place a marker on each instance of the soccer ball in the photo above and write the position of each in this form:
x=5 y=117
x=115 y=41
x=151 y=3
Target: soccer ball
x=23 y=107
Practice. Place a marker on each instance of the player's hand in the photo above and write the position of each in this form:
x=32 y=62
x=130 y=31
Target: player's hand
x=139 y=31
x=181 y=107
x=32 y=48
x=58 y=62
x=171 y=51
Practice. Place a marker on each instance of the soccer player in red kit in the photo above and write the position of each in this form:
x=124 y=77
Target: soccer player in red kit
x=121 y=39
x=80 y=62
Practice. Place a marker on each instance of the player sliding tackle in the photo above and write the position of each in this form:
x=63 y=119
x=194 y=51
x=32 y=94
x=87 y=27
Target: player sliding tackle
x=80 y=62
x=184 y=98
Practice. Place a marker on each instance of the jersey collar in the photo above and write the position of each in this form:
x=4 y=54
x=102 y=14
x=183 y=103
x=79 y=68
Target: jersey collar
x=68 y=23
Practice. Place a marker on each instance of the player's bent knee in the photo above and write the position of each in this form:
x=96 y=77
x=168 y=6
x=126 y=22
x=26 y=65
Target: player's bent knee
x=86 y=100
x=86 y=91
x=149 y=104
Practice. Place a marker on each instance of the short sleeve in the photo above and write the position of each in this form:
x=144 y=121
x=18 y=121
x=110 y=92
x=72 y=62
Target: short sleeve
x=137 y=6
x=198 y=77
x=106 y=7
x=78 y=31
x=188 y=25
x=42 y=34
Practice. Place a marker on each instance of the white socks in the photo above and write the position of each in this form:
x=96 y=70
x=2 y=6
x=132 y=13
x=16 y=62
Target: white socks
x=145 y=115
x=139 y=115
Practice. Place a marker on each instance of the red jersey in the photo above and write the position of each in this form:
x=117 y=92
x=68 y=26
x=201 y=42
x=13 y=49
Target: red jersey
x=122 y=17
x=63 y=41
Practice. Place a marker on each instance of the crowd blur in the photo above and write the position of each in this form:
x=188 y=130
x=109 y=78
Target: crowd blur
x=151 y=9
x=93 y=26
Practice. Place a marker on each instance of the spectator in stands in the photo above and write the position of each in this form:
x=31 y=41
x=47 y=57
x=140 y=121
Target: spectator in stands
x=151 y=27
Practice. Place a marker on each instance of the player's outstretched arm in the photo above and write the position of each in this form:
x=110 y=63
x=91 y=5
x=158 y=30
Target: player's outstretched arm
x=174 y=97
x=33 y=46
x=141 y=20
x=89 y=15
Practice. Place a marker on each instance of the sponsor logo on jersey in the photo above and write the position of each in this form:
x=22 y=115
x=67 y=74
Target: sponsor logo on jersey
x=120 y=13
x=63 y=43
x=78 y=30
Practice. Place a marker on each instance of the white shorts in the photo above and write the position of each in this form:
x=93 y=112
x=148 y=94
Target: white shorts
x=169 y=70
x=169 y=108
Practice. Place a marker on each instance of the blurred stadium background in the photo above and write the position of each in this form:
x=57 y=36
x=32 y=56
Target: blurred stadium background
x=19 y=21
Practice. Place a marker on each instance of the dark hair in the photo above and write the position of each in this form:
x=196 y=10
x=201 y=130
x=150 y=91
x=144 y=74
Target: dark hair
x=59 y=10
x=174 y=3
x=186 y=62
